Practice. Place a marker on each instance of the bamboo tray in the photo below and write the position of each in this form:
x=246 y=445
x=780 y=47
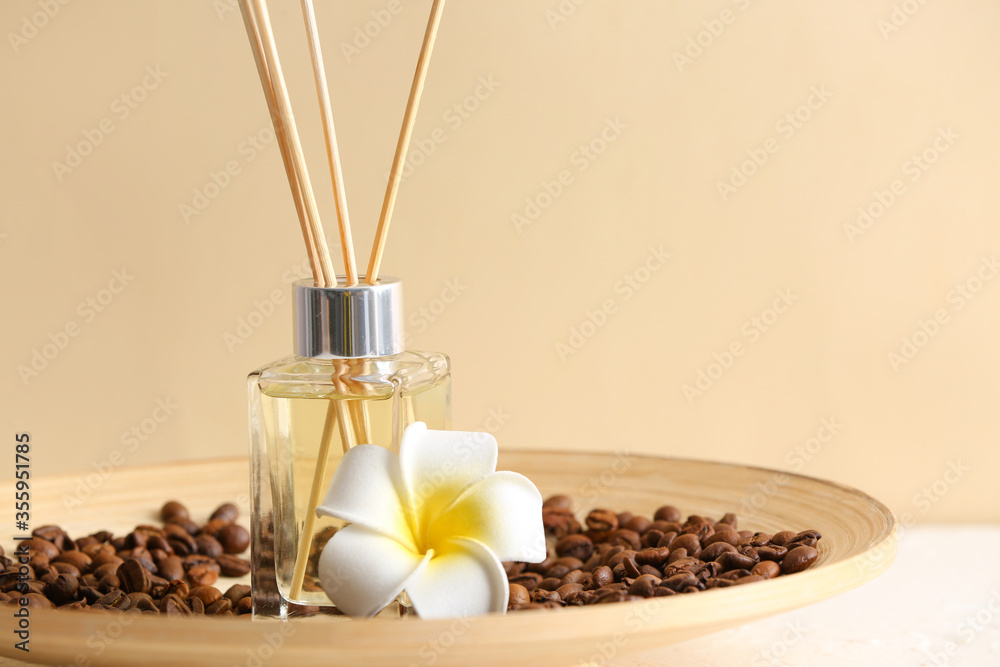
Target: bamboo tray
x=859 y=543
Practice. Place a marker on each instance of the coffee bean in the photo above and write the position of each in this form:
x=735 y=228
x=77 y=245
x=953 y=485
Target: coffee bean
x=676 y=555
x=66 y=568
x=559 y=523
x=574 y=577
x=172 y=510
x=227 y=512
x=529 y=580
x=771 y=552
x=728 y=536
x=687 y=541
x=602 y=576
x=189 y=527
x=798 y=559
x=638 y=524
x=219 y=607
x=729 y=519
x=232 y=566
x=558 y=571
x=716 y=549
x=38 y=601
x=208 y=546
x=171 y=605
x=652 y=556
x=780 y=538
x=734 y=561
x=631 y=568
x=207 y=594
x=559 y=502
x=680 y=581
x=519 y=596
x=171 y=567
x=548 y=583
x=134 y=577
x=234 y=538
x=619 y=557
x=204 y=575
x=667 y=513
x=245 y=605
x=766 y=568
x=63 y=590
x=644 y=585
x=603 y=520
x=576 y=546
x=626 y=538
x=237 y=592
x=40 y=546
x=651 y=538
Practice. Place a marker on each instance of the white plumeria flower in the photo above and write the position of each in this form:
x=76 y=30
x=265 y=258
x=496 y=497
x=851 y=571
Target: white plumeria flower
x=435 y=521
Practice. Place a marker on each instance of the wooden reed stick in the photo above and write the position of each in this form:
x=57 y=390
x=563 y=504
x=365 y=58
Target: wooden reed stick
x=409 y=118
x=335 y=412
x=332 y=151
x=253 y=32
x=286 y=119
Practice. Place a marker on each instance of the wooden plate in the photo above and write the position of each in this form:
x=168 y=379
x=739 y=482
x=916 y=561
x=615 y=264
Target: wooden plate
x=859 y=543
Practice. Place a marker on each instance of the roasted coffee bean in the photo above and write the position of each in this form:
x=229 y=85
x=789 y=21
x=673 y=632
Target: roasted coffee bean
x=620 y=557
x=108 y=583
x=173 y=510
x=529 y=580
x=549 y=583
x=780 y=538
x=557 y=570
x=66 y=568
x=602 y=576
x=208 y=545
x=512 y=568
x=114 y=598
x=219 y=607
x=575 y=546
x=734 y=561
x=573 y=577
x=651 y=538
x=158 y=543
x=638 y=524
x=626 y=538
x=667 y=513
x=236 y=592
x=207 y=594
x=602 y=520
x=730 y=520
x=171 y=605
x=204 y=575
x=559 y=523
x=766 y=569
x=179 y=588
x=715 y=549
x=189 y=527
x=632 y=570
x=771 y=552
x=559 y=502
x=687 y=541
x=728 y=536
x=733 y=575
x=245 y=605
x=644 y=585
x=567 y=590
x=227 y=512
x=798 y=559
x=676 y=555
x=234 y=538
x=656 y=556
x=680 y=581
x=134 y=577
x=63 y=589
x=37 y=601
x=232 y=566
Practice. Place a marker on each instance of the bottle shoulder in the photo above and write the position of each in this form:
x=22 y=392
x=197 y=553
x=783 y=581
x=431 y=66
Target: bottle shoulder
x=409 y=371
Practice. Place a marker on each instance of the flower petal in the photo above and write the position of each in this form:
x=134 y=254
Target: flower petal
x=464 y=578
x=362 y=571
x=437 y=465
x=364 y=491
x=502 y=511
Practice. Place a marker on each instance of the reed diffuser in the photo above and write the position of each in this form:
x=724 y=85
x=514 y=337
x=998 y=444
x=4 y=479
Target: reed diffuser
x=349 y=380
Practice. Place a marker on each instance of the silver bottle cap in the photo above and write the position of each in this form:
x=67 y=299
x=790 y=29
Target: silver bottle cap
x=360 y=321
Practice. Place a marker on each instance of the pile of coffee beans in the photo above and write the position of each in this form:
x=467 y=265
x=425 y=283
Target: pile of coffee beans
x=617 y=556
x=168 y=569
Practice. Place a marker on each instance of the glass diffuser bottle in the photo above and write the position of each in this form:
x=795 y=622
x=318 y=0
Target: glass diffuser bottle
x=349 y=382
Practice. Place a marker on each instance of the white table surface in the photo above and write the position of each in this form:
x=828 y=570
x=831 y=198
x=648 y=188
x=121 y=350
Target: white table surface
x=923 y=611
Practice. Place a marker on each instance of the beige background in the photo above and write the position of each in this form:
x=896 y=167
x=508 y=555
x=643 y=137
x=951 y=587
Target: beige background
x=921 y=435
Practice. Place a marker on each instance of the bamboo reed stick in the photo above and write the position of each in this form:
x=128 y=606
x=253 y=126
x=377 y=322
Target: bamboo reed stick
x=332 y=151
x=291 y=133
x=409 y=119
